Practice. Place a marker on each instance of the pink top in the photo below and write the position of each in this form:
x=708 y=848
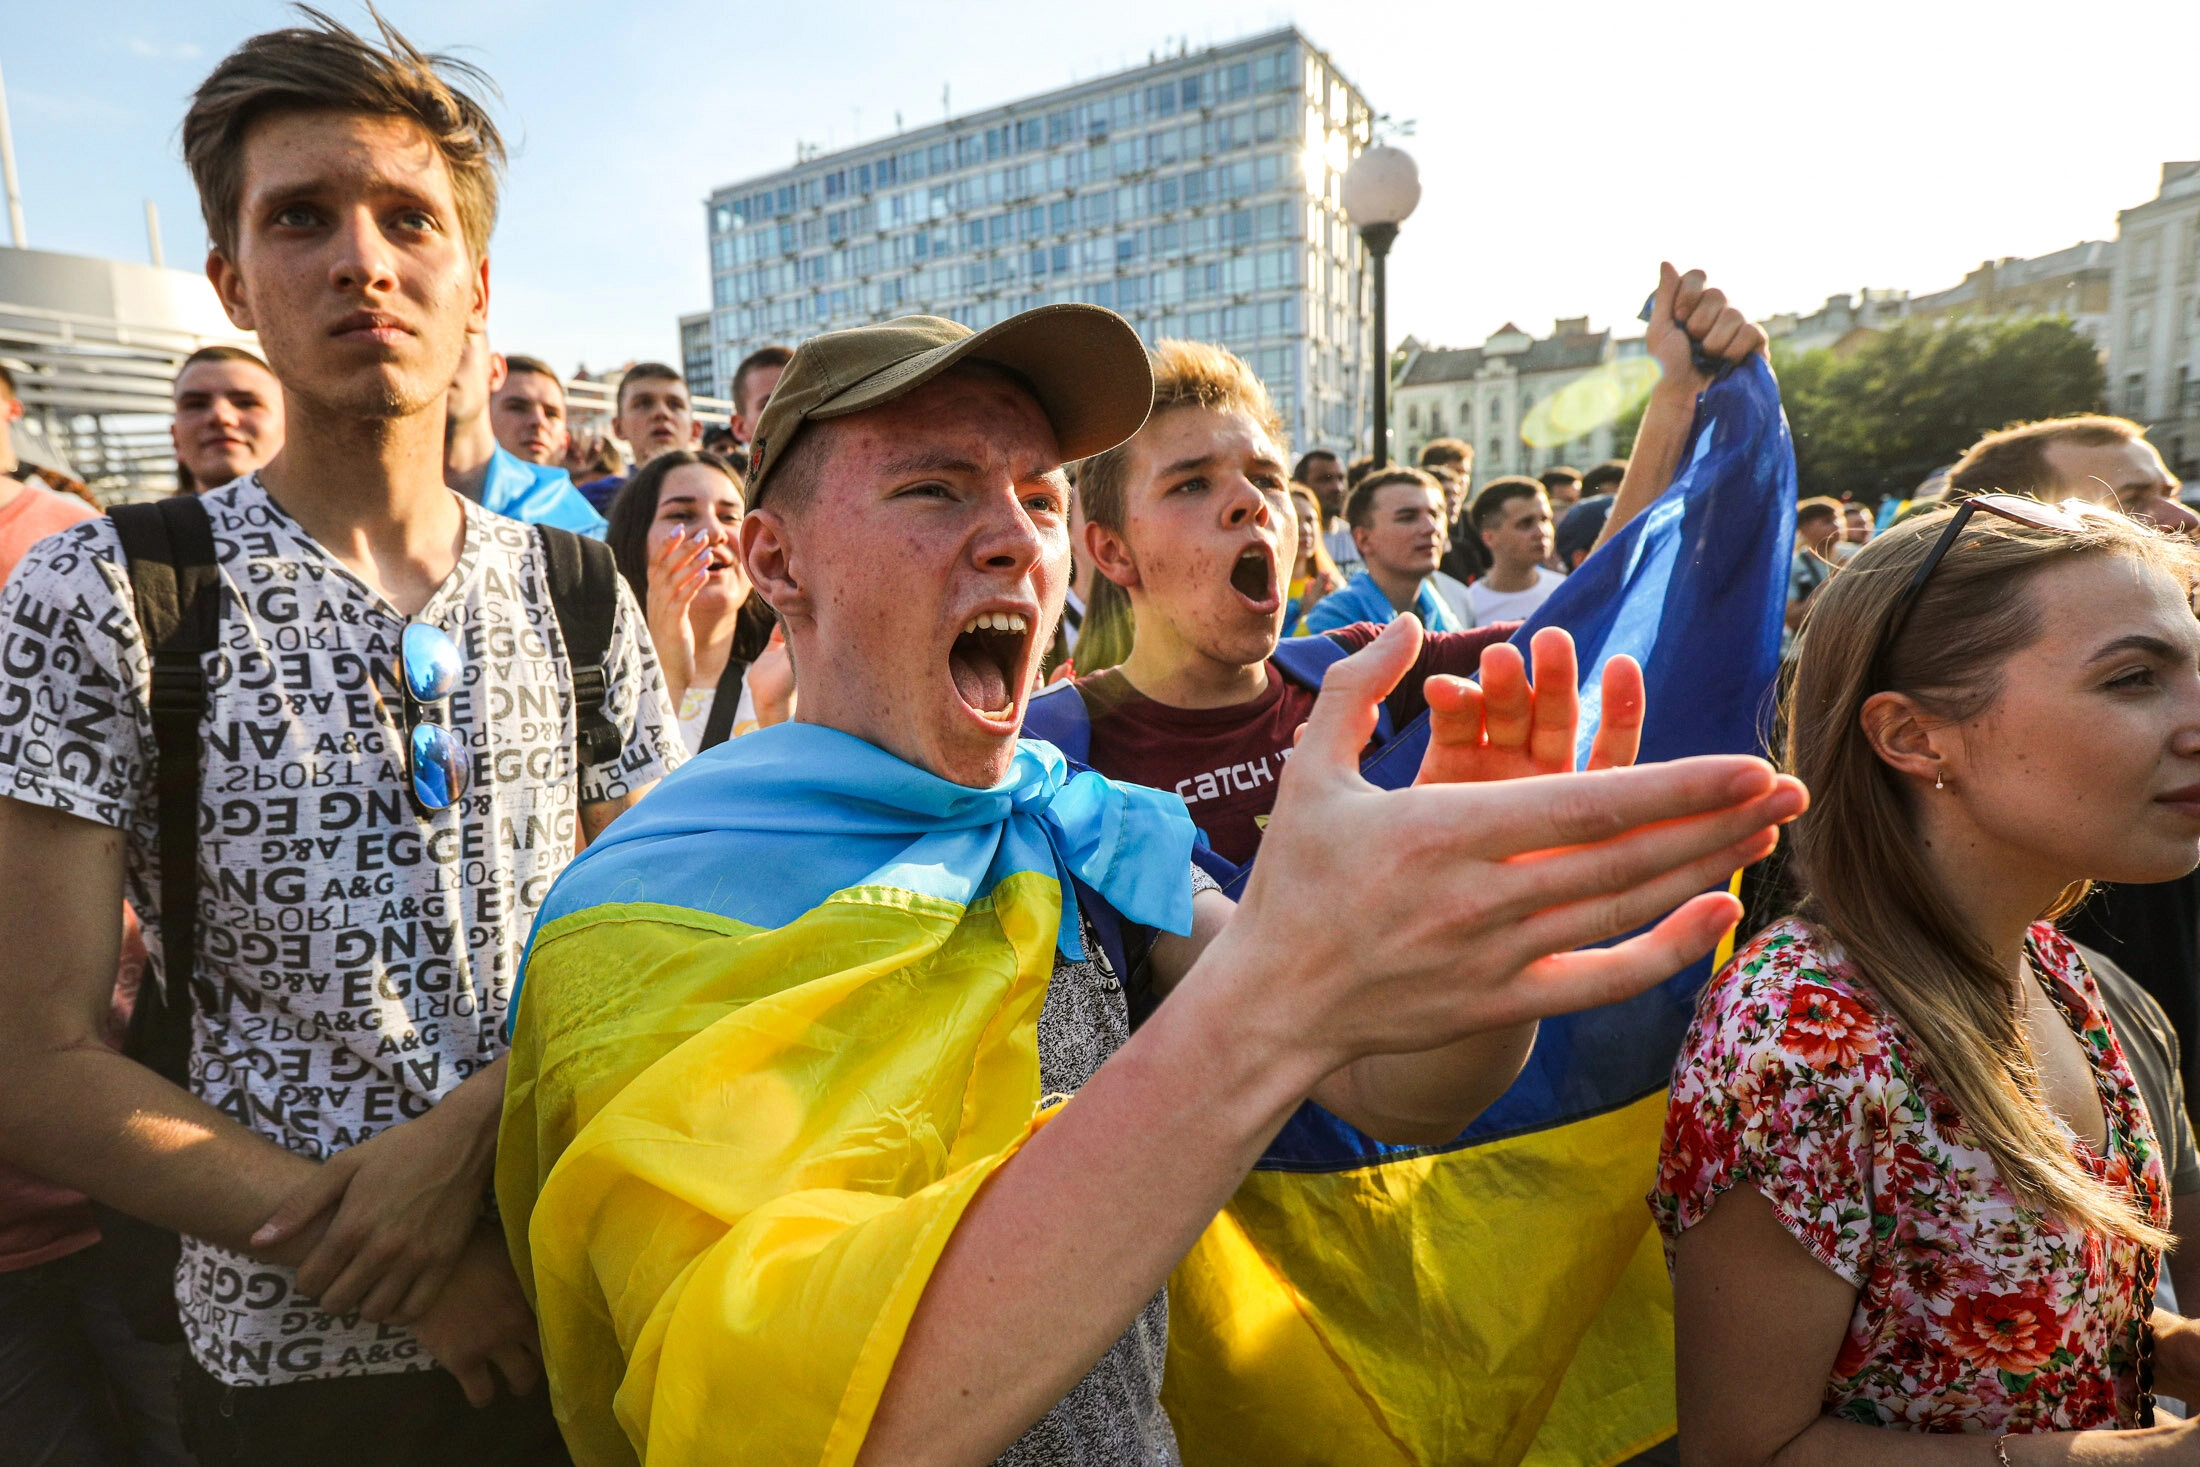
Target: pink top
x=1973 y=1314
x=31 y=516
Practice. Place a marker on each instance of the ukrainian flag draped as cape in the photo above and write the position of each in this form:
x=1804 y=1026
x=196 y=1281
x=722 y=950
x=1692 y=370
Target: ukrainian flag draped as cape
x=1503 y=1298
x=779 y=1025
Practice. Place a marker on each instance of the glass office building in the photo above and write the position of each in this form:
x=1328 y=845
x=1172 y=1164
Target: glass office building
x=1199 y=196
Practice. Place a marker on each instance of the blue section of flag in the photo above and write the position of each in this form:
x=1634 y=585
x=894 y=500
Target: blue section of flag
x=1694 y=588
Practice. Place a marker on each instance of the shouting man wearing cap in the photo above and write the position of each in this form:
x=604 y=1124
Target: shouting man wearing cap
x=827 y=1137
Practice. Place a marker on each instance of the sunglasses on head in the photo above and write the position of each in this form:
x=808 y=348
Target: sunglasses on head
x=428 y=671
x=2068 y=517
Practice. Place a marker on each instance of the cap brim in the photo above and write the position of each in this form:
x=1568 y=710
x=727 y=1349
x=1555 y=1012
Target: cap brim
x=1086 y=365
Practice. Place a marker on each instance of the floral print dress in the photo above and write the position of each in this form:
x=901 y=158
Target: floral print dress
x=1973 y=1313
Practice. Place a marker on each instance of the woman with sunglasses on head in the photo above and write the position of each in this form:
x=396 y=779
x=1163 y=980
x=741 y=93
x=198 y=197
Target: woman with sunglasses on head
x=675 y=531
x=1909 y=1188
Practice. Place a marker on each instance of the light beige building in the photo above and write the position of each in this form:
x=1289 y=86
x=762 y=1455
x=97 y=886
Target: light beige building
x=1841 y=322
x=1484 y=394
x=2073 y=282
x=2154 y=336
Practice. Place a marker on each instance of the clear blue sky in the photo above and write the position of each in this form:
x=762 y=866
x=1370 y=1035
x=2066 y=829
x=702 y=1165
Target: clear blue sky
x=1794 y=149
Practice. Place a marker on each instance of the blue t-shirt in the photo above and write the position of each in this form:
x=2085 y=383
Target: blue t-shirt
x=600 y=492
x=1363 y=600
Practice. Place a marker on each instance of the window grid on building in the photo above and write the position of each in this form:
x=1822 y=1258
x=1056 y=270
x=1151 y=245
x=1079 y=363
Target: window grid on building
x=1199 y=196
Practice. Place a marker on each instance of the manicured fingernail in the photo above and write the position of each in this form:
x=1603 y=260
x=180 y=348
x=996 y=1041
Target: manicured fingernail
x=264 y=1236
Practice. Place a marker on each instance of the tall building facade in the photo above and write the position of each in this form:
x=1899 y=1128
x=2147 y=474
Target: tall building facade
x=1199 y=196
x=2154 y=312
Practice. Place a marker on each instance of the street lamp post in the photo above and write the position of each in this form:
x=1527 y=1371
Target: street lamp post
x=1381 y=189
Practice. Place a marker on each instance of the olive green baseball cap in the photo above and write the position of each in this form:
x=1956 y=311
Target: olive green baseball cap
x=1084 y=363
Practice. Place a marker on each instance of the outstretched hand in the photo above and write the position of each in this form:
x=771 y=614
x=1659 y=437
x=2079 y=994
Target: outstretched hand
x=1399 y=921
x=1509 y=727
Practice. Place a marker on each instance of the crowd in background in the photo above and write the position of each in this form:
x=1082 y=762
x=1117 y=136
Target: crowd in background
x=1927 y=1157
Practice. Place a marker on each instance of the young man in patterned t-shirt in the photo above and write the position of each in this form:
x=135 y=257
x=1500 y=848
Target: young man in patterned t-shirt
x=328 y=1166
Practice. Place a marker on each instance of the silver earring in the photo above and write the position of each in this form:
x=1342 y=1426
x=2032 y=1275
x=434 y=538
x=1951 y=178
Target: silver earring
x=1940 y=781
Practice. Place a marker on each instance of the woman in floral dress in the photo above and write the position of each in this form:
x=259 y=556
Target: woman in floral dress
x=1911 y=1196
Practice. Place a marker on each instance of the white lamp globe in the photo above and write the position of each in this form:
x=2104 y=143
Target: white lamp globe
x=1382 y=186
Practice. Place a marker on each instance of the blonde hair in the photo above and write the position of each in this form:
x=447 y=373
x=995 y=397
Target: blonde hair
x=1185 y=374
x=1866 y=884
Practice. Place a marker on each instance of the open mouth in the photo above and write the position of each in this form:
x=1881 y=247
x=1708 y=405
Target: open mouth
x=987 y=663
x=1253 y=576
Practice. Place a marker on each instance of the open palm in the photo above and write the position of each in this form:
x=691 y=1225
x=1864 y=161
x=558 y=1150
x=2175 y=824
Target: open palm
x=1509 y=727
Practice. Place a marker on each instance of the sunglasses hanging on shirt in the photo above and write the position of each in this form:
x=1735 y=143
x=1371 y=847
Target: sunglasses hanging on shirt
x=436 y=764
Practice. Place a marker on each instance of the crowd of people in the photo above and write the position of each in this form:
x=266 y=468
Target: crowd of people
x=850 y=785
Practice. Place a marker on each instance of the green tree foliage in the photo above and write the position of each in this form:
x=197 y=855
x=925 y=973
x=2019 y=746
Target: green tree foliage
x=1911 y=399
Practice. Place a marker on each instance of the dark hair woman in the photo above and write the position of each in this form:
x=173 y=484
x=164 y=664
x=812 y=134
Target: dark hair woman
x=675 y=532
x=1908 y=1182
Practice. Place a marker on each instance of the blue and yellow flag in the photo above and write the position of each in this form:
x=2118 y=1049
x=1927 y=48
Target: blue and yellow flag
x=779 y=1024
x=1503 y=1299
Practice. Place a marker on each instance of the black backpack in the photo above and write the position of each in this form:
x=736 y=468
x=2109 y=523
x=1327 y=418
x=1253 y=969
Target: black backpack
x=168 y=545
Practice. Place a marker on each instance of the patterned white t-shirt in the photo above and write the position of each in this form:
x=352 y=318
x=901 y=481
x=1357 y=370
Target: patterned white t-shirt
x=363 y=953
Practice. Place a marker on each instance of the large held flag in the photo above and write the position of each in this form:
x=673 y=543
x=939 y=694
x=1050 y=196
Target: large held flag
x=1503 y=1299
x=779 y=1024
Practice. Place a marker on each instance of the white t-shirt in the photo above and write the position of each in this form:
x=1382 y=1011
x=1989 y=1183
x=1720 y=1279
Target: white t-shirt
x=363 y=953
x=695 y=706
x=1492 y=606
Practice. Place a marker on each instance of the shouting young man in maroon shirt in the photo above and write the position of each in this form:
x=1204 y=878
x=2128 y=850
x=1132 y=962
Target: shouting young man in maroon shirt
x=1192 y=518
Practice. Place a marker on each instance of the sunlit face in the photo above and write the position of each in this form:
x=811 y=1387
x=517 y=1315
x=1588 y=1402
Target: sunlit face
x=2088 y=762
x=1856 y=524
x=527 y=413
x=229 y=420
x=1309 y=523
x=1522 y=533
x=702 y=502
x=350 y=263
x=1563 y=495
x=1209 y=530
x=2123 y=475
x=1404 y=534
x=920 y=581
x=1325 y=476
x=654 y=417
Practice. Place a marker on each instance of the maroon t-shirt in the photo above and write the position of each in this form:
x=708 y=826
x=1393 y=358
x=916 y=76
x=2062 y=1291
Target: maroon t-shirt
x=1225 y=761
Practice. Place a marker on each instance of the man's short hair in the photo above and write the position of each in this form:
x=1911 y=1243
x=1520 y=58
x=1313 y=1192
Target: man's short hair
x=1185 y=374
x=327 y=67
x=762 y=358
x=516 y=364
x=1604 y=478
x=1446 y=453
x=1358 y=469
x=2014 y=460
x=1818 y=507
x=220 y=354
x=1558 y=474
x=1359 y=510
x=1306 y=461
x=1489 y=505
x=645 y=372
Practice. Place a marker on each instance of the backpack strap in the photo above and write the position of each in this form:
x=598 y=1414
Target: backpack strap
x=724 y=704
x=168 y=545
x=1059 y=715
x=584 y=592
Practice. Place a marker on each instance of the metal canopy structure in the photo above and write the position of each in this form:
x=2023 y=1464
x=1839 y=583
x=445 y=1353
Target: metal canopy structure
x=94 y=345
